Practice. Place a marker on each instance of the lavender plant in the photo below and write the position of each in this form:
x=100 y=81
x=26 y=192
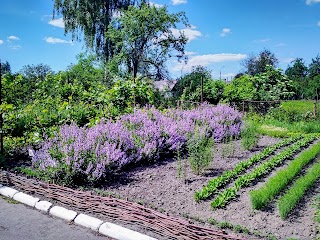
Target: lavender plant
x=145 y=135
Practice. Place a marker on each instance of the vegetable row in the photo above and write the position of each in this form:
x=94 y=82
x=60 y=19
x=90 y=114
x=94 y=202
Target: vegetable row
x=262 y=196
x=218 y=182
x=245 y=180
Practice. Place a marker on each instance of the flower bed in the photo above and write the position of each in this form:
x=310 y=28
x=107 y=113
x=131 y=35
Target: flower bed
x=145 y=135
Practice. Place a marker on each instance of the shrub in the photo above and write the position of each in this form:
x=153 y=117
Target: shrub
x=249 y=135
x=200 y=151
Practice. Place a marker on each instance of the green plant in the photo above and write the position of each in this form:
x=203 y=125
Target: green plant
x=249 y=135
x=227 y=176
x=181 y=163
x=260 y=197
x=200 y=151
x=243 y=181
x=290 y=199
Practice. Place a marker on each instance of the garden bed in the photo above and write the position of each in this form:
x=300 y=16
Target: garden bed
x=158 y=186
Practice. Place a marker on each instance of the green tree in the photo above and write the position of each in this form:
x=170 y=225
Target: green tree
x=91 y=19
x=298 y=73
x=256 y=64
x=190 y=82
x=5 y=68
x=144 y=40
x=272 y=85
x=239 y=89
x=314 y=67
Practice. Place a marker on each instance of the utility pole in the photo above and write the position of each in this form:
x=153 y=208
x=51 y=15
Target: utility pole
x=1 y=120
x=201 y=89
x=220 y=72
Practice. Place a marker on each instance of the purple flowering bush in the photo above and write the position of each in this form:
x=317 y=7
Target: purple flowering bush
x=91 y=153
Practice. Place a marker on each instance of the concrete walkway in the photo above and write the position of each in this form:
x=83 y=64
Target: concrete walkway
x=19 y=222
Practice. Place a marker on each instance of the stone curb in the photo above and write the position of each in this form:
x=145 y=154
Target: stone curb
x=25 y=199
x=8 y=192
x=88 y=222
x=63 y=213
x=43 y=206
x=118 y=232
x=95 y=224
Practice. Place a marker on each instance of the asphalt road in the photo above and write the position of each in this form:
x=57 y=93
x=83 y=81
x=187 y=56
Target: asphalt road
x=19 y=222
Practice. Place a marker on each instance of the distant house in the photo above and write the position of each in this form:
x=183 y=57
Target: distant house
x=165 y=87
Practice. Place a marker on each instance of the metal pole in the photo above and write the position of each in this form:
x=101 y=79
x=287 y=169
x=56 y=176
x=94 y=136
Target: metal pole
x=1 y=120
x=201 y=89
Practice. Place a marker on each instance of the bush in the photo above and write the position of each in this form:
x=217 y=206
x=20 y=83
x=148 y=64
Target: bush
x=249 y=135
x=200 y=151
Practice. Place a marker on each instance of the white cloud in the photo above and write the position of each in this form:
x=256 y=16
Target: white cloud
x=155 y=4
x=280 y=45
x=177 y=2
x=189 y=53
x=207 y=59
x=53 y=40
x=264 y=40
x=288 y=60
x=318 y=24
x=57 y=22
x=1 y=41
x=309 y=2
x=190 y=33
x=13 y=38
x=225 y=32
x=15 y=47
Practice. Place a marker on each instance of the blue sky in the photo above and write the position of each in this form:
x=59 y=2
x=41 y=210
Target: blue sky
x=222 y=33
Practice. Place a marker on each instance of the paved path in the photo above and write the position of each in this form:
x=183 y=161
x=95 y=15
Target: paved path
x=18 y=222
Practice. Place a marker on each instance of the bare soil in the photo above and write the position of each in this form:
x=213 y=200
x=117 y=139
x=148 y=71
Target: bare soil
x=158 y=186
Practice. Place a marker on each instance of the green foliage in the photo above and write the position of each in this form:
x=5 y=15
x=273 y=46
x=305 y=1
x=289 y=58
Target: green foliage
x=260 y=197
x=227 y=176
x=245 y=180
x=258 y=64
x=272 y=85
x=290 y=199
x=200 y=151
x=190 y=83
x=293 y=111
x=143 y=40
x=249 y=135
x=91 y=20
x=240 y=89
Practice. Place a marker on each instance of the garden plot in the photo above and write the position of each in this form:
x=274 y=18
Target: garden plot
x=159 y=187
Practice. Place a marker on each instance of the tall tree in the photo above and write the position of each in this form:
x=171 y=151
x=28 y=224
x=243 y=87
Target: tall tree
x=298 y=70
x=298 y=74
x=314 y=67
x=5 y=67
x=256 y=64
x=144 y=40
x=91 y=19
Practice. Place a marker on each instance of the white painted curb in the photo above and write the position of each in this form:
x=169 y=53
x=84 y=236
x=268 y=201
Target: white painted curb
x=8 y=192
x=63 y=213
x=26 y=199
x=121 y=233
x=43 y=206
x=107 y=229
x=88 y=222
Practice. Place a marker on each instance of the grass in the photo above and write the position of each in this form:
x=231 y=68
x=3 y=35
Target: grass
x=261 y=197
x=291 y=198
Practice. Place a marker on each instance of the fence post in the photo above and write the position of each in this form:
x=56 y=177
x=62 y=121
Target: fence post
x=315 y=108
x=201 y=89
